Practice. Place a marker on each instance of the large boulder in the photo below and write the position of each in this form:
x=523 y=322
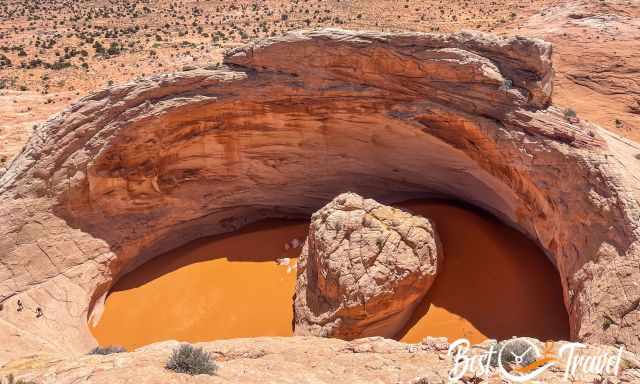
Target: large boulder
x=363 y=269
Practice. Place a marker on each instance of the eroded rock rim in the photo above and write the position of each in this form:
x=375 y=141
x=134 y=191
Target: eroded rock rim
x=131 y=171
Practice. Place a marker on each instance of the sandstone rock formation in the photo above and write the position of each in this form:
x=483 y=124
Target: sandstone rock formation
x=596 y=59
x=130 y=171
x=363 y=269
x=295 y=360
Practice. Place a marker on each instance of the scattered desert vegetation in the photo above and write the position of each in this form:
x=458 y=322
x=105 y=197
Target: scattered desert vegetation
x=60 y=45
x=10 y=379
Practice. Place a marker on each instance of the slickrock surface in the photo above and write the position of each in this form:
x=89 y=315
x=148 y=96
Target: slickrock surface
x=363 y=269
x=131 y=171
x=20 y=112
x=295 y=360
x=596 y=59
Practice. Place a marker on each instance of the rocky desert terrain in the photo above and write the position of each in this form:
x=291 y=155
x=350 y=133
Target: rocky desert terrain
x=180 y=120
x=53 y=52
x=78 y=46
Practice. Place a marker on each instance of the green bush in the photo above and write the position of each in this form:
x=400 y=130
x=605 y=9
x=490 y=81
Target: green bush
x=190 y=360
x=570 y=113
x=108 y=350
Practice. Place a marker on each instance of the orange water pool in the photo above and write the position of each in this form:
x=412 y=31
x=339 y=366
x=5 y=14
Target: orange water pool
x=494 y=283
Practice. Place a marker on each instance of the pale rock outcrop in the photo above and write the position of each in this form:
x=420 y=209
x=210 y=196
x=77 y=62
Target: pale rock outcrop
x=278 y=360
x=363 y=269
x=288 y=123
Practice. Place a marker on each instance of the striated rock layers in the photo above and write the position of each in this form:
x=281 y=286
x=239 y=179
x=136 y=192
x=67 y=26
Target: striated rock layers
x=289 y=123
x=363 y=269
x=596 y=60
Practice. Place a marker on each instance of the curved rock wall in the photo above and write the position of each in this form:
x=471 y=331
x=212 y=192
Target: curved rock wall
x=135 y=169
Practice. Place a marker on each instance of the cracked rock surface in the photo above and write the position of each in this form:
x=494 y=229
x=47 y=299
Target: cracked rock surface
x=363 y=269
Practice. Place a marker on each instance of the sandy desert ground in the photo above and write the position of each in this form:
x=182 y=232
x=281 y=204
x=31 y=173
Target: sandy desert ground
x=53 y=52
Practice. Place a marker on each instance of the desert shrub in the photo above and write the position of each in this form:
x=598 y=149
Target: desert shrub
x=4 y=61
x=108 y=350
x=98 y=47
x=507 y=85
x=58 y=65
x=607 y=323
x=569 y=113
x=190 y=360
x=114 y=49
x=9 y=379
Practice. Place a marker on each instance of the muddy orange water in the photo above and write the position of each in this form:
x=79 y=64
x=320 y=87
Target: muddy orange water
x=494 y=283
